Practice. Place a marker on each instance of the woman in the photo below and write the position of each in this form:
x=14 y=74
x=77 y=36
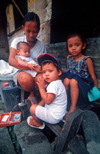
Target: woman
x=31 y=27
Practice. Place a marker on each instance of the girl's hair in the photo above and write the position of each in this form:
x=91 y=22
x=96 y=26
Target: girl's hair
x=80 y=35
x=31 y=16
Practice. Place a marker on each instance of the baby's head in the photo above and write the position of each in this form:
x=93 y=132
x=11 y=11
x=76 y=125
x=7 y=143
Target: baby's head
x=50 y=67
x=23 y=49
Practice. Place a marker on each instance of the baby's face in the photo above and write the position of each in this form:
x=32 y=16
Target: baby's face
x=24 y=51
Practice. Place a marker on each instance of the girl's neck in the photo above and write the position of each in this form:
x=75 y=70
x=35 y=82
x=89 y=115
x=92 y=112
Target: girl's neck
x=77 y=57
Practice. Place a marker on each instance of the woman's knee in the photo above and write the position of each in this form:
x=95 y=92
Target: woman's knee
x=24 y=78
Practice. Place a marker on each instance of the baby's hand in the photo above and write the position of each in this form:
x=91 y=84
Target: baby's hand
x=37 y=68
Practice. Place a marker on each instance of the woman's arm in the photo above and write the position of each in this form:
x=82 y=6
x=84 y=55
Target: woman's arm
x=89 y=64
x=13 y=62
x=25 y=64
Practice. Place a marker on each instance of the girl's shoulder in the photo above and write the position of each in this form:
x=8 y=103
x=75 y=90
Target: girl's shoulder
x=86 y=57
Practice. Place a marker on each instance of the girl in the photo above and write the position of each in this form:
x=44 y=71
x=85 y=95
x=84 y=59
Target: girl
x=52 y=107
x=80 y=70
x=31 y=27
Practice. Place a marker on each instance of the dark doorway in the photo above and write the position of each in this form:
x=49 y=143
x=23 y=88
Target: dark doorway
x=22 y=4
x=68 y=15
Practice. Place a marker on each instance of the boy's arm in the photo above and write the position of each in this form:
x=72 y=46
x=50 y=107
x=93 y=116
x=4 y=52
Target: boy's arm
x=41 y=103
x=89 y=64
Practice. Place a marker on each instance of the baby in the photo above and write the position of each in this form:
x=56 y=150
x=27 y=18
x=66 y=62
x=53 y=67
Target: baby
x=24 y=59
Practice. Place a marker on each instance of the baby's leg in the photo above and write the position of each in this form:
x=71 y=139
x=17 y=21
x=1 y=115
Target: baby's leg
x=66 y=83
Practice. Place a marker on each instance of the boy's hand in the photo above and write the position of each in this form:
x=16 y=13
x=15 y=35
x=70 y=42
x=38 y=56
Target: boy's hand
x=41 y=83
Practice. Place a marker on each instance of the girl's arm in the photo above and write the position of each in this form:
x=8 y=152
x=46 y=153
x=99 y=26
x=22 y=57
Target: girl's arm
x=46 y=97
x=13 y=62
x=89 y=64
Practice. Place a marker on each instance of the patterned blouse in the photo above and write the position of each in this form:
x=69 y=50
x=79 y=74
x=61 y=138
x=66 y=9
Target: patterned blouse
x=78 y=67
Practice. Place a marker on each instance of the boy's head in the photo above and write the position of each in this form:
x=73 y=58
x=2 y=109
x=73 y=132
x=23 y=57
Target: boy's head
x=23 y=49
x=50 y=67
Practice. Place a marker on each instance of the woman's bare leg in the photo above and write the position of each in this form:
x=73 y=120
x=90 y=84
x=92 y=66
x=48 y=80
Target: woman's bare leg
x=26 y=81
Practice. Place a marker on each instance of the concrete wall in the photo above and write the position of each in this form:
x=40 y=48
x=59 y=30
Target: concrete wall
x=10 y=19
x=43 y=9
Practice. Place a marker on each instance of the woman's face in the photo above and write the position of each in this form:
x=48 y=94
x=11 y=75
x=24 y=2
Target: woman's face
x=31 y=31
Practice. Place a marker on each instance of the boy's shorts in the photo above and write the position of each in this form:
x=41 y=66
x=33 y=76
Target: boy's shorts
x=44 y=114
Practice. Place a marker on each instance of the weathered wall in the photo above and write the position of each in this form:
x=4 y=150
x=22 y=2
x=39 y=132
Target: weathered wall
x=10 y=19
x=43 y=9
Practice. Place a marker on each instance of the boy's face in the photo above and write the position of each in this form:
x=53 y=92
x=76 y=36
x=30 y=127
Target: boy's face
x=75 y=45
x=24 y=51
x=50 y=72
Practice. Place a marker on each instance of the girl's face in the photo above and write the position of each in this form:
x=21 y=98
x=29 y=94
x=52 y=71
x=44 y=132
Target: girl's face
x=31 y=31
x=24 y=51
x=75 y=46
x=50 y=72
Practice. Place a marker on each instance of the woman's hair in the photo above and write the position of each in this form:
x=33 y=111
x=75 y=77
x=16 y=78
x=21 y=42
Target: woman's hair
x=80 y=35
x=31 y=16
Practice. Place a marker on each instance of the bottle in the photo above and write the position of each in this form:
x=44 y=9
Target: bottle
x=12 y=96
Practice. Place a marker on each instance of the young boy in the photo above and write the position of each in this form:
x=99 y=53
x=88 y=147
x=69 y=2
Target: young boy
x=52 y=107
